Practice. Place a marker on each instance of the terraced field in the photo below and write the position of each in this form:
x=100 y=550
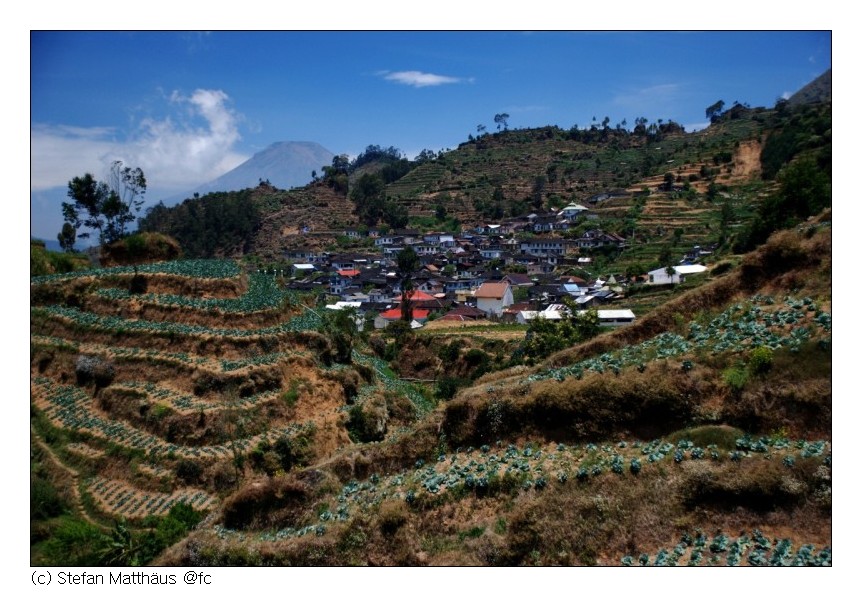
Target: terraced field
x=704 y=442
x=197 y=372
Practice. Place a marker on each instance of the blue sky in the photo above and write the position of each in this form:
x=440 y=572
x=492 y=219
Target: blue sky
x=187 y=107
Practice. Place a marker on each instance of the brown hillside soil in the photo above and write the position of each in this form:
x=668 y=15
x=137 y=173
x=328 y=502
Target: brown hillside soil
x=72 y=292
x=483 y=329
x=746 y=160
x=595 y=521
x=317 y=207
x=139 y=308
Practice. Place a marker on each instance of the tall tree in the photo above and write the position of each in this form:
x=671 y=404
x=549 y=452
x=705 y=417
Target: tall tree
x=369 y=195
x=67 y=237
x=408 y=263
x=713 y=112
x=105 y=207
x=502 y=120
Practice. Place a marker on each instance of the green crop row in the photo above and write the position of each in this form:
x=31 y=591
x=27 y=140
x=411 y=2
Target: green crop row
x=69 y=407
x=740 y=327
x=124 y=500
x=263 y=294
x=192 y=268
x=114 y=324
x=720 y=550
x=189 y=402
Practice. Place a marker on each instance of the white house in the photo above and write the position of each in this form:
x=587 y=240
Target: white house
x=554 y=312
x=302 y=269
x=680 y=273
x=615 y=317
x=572 y=210
x=493 y=297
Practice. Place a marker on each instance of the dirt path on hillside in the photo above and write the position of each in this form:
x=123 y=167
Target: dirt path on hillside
x=76 y=490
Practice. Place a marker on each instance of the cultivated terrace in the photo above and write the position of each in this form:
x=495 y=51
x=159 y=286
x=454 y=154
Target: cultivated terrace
x=543 y=347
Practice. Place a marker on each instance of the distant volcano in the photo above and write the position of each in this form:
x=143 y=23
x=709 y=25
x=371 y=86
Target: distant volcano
x=284 y=164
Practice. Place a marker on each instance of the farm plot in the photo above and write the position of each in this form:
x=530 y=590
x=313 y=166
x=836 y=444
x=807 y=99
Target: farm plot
x=263 y=294
x=758 y=322
x=119 y=498
x=185 y=403
x=192 y=268
x=70 y=408
x=85 y=450
x=486 y=470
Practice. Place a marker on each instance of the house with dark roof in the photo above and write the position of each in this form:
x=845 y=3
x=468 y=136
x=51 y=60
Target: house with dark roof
x=544 y=247
x=518 y=280
x=545 y=224
x=593 y=239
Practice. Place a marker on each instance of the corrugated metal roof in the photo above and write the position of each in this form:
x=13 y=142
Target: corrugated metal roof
x=616 y=314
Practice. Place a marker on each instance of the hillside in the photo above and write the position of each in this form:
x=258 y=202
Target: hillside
x=222 y=409
x=720 y=176
x=221 y=404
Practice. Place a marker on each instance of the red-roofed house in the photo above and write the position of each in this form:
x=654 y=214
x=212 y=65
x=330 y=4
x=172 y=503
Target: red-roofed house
x=422 y=300
x=493 y=297
x=420 y=316
x=417 y=296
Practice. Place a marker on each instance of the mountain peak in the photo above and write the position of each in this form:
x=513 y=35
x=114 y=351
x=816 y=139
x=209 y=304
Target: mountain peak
x=284 y=164
x=818 y=90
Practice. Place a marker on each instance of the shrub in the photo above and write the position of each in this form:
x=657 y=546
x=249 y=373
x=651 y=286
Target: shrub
x=291 y=451
x=291 y=395
x=138 y=285
x=76 y=543
x=94 y=370
x=760 y=360
x=189 y=471
x=478 y=361
x=45 y=502
x=447 y=387
x=721 y=268
x=393 y=515
x=140 y=248
x=367 y=422
x=736 y=378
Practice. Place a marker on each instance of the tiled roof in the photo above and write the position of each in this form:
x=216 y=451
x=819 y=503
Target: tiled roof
x=493 y=290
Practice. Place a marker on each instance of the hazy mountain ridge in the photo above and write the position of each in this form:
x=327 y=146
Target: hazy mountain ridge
x=818 y=90
x=284 y=164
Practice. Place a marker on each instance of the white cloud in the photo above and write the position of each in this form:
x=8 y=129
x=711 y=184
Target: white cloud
x=695 y=126
x=191 y=146
x=59 y=153
x=646 y=96
x=529 y=108
x=786 y=95
x=417 y=78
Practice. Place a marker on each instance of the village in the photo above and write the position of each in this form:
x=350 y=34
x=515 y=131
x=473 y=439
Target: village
x=493 y=272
